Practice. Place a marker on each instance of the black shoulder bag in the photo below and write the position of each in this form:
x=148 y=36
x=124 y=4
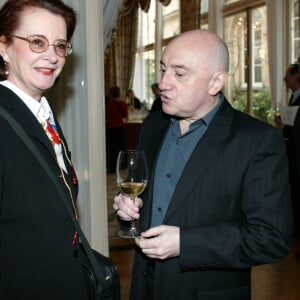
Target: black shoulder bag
x=104 y=275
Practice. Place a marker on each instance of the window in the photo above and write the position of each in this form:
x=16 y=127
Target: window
x=248 y=86
x=147 y=28
x=257 y=38
x=144 y=65
x=204 y=6
x=236 y=40
x=230 y=1
x=167 y=21
x=171 y=24
x=204 y=14
x=244 y=31
x=295 y=39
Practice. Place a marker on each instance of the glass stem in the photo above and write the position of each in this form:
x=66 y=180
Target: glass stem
x=132 y=226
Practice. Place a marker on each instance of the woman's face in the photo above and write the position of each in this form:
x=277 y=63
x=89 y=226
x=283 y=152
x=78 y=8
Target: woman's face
x=33 y=72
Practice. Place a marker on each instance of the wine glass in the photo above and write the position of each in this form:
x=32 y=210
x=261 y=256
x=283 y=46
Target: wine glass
x=132 y=176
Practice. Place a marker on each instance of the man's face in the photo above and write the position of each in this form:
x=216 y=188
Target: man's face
x=185 y=81
x=291 y=80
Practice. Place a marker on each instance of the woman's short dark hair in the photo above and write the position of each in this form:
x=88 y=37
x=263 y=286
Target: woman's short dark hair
x=115 y=92
x=11 y=11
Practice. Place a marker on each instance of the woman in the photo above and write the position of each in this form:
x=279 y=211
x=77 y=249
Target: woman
x=116 y=113
x=132 y=101
x=39 y=253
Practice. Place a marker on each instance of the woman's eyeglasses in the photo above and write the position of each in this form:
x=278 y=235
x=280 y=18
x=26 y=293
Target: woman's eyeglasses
x=39 y=43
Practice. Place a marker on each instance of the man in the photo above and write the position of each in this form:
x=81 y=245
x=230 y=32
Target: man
x=132 y=101
x=292 y=139
x=292 y=81
x=116 y=112
x=217 y=202
x=156 y=105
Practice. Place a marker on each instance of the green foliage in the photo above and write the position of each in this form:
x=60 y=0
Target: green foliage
x=240 y=102
x=262 y=105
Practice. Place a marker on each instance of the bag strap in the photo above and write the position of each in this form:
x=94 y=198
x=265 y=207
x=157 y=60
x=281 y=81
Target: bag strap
x=35 y=151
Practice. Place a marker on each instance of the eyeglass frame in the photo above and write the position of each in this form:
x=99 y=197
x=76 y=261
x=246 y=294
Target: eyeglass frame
x=69 y=47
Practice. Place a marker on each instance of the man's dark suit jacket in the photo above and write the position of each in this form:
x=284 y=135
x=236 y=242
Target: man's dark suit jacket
x=232 y=206
x=37 y=258
x=287 y=130
x=295 y=137
x=292 y=138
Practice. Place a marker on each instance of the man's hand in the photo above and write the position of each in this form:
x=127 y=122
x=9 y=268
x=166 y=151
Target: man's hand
x=160 y=242
x=125 y=208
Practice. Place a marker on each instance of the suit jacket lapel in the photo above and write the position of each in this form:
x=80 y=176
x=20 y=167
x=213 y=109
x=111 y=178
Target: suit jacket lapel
x=206 y=153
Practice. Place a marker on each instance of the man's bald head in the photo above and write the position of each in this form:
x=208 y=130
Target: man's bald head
x=208 y=45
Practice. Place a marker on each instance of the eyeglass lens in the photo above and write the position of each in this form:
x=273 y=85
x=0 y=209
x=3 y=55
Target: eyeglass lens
x=39 y=44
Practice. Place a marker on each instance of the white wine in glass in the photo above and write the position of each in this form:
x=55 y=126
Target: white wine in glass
x=132 y=176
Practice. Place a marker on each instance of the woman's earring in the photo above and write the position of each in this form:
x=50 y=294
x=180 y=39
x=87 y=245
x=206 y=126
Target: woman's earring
x=6 y=69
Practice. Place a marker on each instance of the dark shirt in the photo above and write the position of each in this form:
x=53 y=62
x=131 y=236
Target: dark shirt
x=174 y=154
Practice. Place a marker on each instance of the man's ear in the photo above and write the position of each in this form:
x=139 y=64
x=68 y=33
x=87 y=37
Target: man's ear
x=217 y=83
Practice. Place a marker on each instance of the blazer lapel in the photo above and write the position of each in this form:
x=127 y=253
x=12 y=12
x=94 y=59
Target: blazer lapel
x=206 y=153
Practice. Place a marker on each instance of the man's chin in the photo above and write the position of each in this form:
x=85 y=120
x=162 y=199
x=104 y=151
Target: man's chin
x=166 y=108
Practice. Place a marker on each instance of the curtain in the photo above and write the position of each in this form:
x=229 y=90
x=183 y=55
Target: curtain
x=123 y=48
x=120 y=57
x=145 y=4
x=110 y=15
x=190 y=14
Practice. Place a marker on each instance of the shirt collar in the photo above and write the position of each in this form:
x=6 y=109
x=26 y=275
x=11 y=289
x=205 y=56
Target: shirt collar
x=205 y=120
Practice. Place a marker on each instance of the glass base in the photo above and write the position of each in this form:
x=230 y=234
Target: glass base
x=129 y=234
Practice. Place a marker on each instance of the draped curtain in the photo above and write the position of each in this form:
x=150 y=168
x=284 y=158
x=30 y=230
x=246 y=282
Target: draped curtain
x=110 y=16
x=190 y=14
x=124 y=48
x=120 y=58
x=145 y=4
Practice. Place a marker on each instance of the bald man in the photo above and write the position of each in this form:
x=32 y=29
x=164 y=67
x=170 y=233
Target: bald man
x=217 y=202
